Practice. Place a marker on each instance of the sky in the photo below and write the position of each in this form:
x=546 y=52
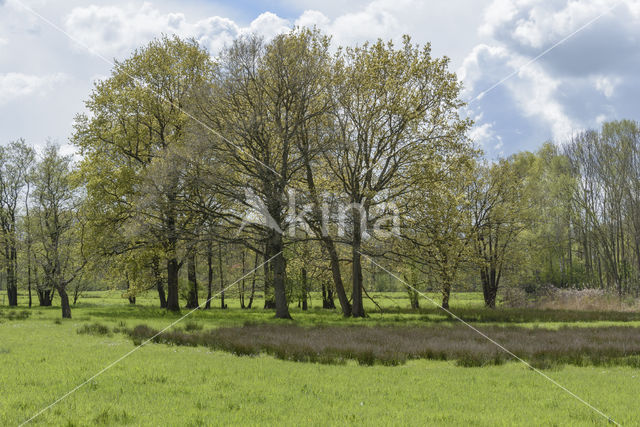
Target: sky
x=532 y=70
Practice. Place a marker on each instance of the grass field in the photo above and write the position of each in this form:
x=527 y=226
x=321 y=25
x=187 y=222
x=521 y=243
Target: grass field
x=42 y=358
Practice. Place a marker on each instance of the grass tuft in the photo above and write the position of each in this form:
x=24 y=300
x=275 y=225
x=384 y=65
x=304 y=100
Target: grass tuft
x=94 y=329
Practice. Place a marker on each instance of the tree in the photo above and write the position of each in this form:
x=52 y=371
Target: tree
x=136 y=132
x=16 y=160
x=260 y=99
x=500 y=211
x=391 y=106
x=59 y=232
x=437 y=232
x=606 y=201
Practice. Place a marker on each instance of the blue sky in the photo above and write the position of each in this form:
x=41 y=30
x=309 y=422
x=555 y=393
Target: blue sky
x=593 y=77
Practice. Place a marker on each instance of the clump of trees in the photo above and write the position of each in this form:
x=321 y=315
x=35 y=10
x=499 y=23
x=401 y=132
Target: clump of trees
x=305 y=164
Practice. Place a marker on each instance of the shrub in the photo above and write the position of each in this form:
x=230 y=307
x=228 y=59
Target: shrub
x=94 y=329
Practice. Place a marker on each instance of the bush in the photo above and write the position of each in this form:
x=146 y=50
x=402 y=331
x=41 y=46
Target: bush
x=15 y=315
x=94 y=329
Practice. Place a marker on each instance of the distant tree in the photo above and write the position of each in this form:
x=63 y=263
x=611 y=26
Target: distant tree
x=16 y=161
x=59 y=227
x=500 y=206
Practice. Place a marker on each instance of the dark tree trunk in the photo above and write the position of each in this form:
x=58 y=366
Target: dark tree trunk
x=221 y=273
x=337 y=276
x=161 y=295
x=327 y=297
x=304 y=289
x=241 y=294
x=173 y=303
x=269 y=300
x=207 y=305
x=12 y=294
x=173 y=267
x=413 y=296
x=29 y=275
x=414 y=299
x=489 y=286
x=253 y=282
x=279 y=272
x=45 y=297
x=327 y=241
x=157 y=276
x=64 y=303
x=12 y=283
x=357 y=308
x=446 y=293
x=192 y=297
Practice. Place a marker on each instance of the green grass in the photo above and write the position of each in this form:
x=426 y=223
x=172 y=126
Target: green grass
x=41 y=359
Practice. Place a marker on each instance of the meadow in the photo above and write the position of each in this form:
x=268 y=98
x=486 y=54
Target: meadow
x=43 y=357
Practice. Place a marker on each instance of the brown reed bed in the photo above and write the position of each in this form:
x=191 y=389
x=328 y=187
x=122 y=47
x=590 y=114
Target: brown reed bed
x=385 y=345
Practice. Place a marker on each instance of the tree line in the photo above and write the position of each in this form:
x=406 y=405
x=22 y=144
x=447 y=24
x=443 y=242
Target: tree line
x=297 y=168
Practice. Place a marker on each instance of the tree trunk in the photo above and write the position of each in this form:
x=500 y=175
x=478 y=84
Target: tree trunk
x=327 y=297
x=357 y=309
x=173 y=267
x=207 y=305
x=173 y=303
x=29 y=277
x=279 y=272
x=45 y=297
x=12 y=283
x=489 y=286
x=221 y=274
x=241 y=294
x=157 y=276
x=253 y=282
x=414 y=299
x=304 y=289
x=337 y=276
x=327 y=241
x=446 y=293
x=269 y=300
x=64 y=302
x=192 y=297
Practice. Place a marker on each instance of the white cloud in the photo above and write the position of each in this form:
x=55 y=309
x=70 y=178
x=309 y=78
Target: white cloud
x=535 y=93
x=607 y=85
x=268 y=25
x=562 y=92
x=482 y=61
x=115 y=30
x=309 y=18
x=18 y=85
x=496 y=15
x=385 y=19
x=3 y=41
